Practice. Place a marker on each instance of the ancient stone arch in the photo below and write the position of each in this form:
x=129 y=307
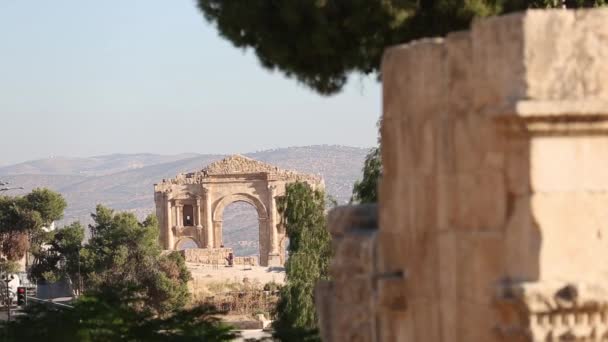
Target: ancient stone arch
x=191 y=206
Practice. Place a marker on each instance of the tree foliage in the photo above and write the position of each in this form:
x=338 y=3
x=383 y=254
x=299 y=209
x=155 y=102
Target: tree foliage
x=49 y=204
x=124 y=253
x=131 y=292
x=366 y=190
x=320 y=42
x=9 y=267
x=114 y=315
x=60 y=257
x=303 y=215
x=22 y=217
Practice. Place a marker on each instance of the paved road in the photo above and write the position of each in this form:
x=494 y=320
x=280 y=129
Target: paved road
x=16 y=310
x=4 y=315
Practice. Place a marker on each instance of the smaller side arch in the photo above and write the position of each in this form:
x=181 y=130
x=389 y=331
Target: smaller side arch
x=185 y=241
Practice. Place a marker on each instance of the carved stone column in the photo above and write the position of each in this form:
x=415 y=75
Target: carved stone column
x=217 y=233
x=197 y=213
x=168 y=223
x=180 y=215
x=274 y=258
x=265 y=251
x=209 y=237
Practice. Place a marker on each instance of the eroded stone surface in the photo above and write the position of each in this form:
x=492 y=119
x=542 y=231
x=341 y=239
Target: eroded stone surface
x=345 y=305
x=495 y=154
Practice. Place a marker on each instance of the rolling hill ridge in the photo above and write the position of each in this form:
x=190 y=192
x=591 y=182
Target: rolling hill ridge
x=125 y=181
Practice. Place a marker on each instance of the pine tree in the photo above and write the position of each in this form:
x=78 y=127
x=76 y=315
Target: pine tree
x=321 y=42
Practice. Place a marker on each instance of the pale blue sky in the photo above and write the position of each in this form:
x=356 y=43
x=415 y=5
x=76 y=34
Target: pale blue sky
x=84 y=77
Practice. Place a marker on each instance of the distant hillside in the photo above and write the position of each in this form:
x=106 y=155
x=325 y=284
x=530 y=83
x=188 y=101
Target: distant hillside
x=92 y=166
x=125 y=181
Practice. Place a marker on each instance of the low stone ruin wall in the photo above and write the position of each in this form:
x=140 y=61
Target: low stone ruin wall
x=345 y=304
x=215 y=256
x=206 y=255
x=251 y=260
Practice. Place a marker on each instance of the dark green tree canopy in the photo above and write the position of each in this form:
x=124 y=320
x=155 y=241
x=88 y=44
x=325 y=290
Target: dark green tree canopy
x=48 y=203
x=366 y=189
x=124 y=253
x=112 y=315
x=22 y=217
x=303 y=214
x=61 y=257
x=320 y=42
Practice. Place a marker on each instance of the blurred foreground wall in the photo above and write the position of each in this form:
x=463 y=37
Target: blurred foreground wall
x=493 y=213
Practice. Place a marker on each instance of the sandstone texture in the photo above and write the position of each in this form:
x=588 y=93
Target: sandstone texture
x=493 y=203
x=215 y=256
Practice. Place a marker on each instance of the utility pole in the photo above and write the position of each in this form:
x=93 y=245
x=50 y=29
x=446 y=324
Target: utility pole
x=7 y=279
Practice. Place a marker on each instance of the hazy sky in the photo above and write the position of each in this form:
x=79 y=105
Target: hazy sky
x=84 y=77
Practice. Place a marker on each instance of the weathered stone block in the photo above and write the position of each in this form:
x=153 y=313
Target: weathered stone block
x=460 y=82
x=517 y=166
x=574 y=235
x=522 y=240
x=393 y=255
x=480 y=266
x=391 y=292
x=422 y=61
x=428 y=315
x=422 y=211
x=449 y=257
x=341 y=220
x=467 y=143
x=354 y=254
x=581 y=163
x=396 y=326
x=478 y=322
x=495 y=151
x=478 y=201
x=499 y=67
x=564 y=52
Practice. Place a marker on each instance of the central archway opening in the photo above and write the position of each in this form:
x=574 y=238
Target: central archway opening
x=241 y=229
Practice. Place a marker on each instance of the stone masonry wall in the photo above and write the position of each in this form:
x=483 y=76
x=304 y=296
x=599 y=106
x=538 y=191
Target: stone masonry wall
x=215 y=256
x=345 y=305
x=493 y=204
